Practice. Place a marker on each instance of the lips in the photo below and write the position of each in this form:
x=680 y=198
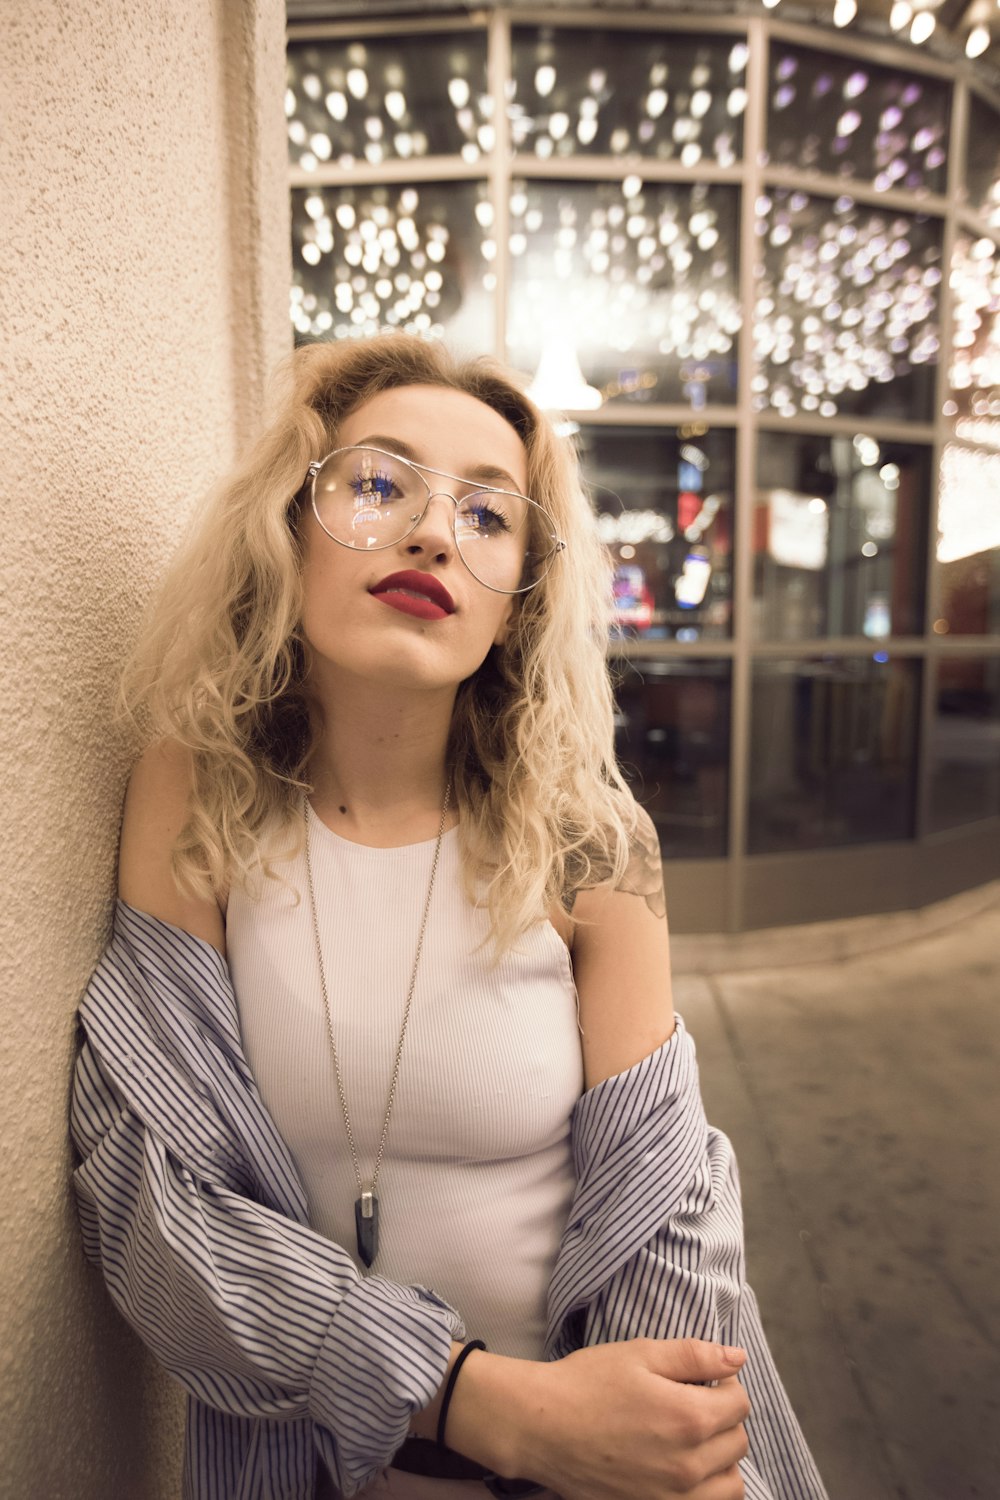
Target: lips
x=401 y=587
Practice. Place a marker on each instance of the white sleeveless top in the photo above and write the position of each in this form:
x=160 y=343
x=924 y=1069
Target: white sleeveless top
x=477 y=1173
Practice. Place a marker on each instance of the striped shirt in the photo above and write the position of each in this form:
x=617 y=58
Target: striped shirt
x=191 y=1204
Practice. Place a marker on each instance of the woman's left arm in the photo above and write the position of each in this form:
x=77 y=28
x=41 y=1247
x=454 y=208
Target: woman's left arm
x=621 y=963
x=654 y=1244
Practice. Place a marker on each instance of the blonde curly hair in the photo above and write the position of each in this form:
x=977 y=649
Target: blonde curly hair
x=219 y=665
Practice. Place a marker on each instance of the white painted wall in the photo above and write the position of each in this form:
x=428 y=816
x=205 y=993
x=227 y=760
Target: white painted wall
x=144 y=268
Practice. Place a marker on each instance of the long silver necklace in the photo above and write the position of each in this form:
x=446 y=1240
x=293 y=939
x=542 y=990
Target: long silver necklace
x=366 y=1207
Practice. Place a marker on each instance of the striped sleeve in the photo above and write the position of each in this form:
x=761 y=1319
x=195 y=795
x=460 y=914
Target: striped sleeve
x=654 y=1248
x=253 y=1312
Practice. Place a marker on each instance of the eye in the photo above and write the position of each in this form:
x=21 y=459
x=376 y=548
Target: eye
x=374 y=486
x=485 y=513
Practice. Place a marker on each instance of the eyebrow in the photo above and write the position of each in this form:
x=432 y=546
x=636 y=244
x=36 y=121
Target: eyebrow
x=481 y=474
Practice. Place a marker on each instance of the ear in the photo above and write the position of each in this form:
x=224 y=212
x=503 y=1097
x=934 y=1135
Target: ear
x=503 y=629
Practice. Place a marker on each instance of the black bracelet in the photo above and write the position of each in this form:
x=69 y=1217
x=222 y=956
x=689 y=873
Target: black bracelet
x=446 y=1399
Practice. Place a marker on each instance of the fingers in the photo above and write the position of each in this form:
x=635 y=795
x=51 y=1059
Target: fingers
x=715 y=1460
x=691 y=1360
x=719 y=1408
x=725 y=1486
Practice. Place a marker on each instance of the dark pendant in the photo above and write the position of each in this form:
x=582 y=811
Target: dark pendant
x=366 y=1225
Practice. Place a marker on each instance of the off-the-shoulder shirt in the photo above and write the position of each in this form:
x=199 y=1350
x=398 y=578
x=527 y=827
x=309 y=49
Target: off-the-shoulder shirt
x=191 y=1205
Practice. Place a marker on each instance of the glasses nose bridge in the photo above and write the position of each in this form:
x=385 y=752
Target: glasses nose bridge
x=443 y=495
x=439 y=495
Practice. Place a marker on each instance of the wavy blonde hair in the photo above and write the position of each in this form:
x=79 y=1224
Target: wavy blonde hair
x=220 y=662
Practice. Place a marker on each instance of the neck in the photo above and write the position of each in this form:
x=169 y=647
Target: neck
x=379 y=765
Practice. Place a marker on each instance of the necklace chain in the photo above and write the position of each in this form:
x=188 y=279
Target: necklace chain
x=409 y=995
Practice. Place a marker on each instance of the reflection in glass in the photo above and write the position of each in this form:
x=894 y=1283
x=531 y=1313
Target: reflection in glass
x=833 y=752
x=965 y=742
x=839 y=537
x=672 y=739
x=843 y=116
x=982 y=167
x=595 y=91
x=416 y=258
x=974 y=371
x=664 y=500
x=846 y=318
x=641 y=279
x=388 y=99
x=968 y=548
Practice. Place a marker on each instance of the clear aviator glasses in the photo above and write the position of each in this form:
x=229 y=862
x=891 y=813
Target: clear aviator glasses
x=367 y=498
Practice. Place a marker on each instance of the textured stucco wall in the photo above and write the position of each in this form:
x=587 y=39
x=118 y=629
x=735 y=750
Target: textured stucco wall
x=143 y=298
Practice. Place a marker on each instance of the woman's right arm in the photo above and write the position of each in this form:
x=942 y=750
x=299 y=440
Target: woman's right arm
x=189 y=1201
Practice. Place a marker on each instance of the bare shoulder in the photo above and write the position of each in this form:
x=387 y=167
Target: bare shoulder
x=643 y=875
x=156 y=809
x=621 y=961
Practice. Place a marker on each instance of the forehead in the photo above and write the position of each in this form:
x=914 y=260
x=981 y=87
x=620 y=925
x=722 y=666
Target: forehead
x=443 y=428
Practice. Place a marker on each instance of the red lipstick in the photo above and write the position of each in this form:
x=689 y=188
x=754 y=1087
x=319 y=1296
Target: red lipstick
x=415 y=594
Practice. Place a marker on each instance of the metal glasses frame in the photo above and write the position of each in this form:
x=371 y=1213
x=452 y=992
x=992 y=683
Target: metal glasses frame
x=558 y=545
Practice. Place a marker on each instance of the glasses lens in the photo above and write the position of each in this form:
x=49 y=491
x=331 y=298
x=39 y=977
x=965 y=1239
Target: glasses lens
x=506 y=541
x=366 y=499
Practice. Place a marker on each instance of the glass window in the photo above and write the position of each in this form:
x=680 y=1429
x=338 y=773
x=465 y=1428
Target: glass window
x=839 y=537
x=841 y=115
x=833 y=752
x=965 y=742
x=968 y=547
x=974 y=370
x=846 y=319
x=418 y=258
x=638 y=282
x=388 y=99
x=982 y=165
x=675 y=97
x=665 y=503
x=672 y=741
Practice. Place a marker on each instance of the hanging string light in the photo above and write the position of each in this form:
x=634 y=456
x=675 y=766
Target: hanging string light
x=923 y=26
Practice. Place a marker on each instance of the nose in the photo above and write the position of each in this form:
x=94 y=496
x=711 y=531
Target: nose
x=434 y=533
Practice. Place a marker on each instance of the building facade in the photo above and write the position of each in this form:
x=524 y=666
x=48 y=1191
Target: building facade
x=757 y=267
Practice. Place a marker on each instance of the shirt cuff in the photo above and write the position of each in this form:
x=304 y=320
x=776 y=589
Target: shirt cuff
x=384 y=1357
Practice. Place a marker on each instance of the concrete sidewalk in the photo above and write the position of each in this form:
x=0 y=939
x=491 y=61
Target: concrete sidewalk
x=862 y=1095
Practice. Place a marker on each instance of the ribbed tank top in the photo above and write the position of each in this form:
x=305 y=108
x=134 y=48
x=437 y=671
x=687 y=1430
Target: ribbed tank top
x=477 y=1173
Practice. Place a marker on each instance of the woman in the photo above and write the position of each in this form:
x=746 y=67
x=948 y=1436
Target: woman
x=387 y=1006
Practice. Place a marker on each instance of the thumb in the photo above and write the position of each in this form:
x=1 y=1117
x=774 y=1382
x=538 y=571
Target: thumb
x=694 y=1360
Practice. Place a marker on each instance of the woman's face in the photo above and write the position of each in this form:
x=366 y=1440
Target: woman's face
x=351 y=625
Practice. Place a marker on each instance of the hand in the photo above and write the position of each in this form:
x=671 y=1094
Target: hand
x=629 y=1421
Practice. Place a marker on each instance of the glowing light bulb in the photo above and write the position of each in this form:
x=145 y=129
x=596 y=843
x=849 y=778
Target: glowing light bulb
x=545 y=78
x=357 y=82
x=977 y=41
x=923 y=26
x=844 y=12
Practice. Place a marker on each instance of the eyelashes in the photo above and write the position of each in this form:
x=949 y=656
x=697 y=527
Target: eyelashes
x=369 y=486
